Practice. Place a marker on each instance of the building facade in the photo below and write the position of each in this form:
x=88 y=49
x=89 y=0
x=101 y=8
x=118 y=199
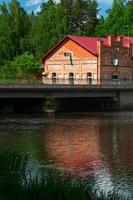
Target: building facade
x=89 y=60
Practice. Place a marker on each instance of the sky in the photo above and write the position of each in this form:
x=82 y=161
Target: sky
x=30 y=5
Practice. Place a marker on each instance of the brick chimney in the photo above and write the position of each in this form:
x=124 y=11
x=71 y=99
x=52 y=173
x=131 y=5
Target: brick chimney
x=120 y=39
x=110 y=39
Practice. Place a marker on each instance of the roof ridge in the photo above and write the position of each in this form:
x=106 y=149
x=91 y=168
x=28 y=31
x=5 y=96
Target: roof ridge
x=86 y=42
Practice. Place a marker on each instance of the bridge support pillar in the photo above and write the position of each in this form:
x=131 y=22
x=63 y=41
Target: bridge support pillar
x=126 y=99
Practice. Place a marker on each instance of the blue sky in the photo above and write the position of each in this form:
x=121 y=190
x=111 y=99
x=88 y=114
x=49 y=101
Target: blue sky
x=35 y=5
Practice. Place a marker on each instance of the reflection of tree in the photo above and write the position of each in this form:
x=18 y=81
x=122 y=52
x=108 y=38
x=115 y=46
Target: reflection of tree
x=116 y=139
x=19 y=135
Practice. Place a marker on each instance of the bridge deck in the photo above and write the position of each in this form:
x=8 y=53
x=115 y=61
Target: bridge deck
x=38 y=84
x=56 y=86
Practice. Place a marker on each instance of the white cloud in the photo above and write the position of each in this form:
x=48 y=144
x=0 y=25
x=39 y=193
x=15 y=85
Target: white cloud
x=36 y=4
x=30 y=3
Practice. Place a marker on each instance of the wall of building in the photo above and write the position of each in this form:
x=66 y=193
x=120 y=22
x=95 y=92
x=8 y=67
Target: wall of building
x=70 y=59
x=81 y=62
x=117 y=50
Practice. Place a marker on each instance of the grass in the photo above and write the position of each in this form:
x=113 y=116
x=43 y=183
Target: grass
x=19 y=182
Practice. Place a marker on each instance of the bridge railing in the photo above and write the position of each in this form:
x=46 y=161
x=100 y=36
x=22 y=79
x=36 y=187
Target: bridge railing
x=87 y=82
x=67 y=82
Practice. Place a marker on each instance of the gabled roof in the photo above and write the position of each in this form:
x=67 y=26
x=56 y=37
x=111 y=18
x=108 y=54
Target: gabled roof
x=88 y=43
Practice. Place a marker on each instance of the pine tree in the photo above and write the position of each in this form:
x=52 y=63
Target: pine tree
x=83 y=19
x=20 y=24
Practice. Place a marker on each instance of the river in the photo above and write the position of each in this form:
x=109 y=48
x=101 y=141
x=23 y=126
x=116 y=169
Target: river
x=98 y=144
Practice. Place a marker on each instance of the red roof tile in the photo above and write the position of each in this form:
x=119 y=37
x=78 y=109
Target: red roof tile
x=88 y=43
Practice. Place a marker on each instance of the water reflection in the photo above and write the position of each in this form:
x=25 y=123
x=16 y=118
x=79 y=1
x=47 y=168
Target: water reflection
x=96 y=144
x=100 y=146
x=73 y=146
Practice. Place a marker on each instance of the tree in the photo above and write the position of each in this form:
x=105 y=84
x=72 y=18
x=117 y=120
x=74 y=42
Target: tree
x=101 y=27
x=45 y=6
x=20 y=24
x=6 y=35
x=115 y=20
x=23 y=66
x=128 y=18
x=14 y=28
x=83 y=17
x=91 y=19
x=51 y=24
x=36 y=33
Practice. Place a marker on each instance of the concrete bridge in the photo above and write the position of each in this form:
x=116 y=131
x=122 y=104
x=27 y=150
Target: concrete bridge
x=32 y=96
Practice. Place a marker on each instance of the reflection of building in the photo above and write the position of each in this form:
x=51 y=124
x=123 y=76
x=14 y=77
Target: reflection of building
x=75 y=149
x=90 y=59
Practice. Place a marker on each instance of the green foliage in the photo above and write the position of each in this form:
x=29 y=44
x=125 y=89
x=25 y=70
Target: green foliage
x=21 y=32
x=6 y=36
x=12 y=173
x=51 y=24
x=14 y=27
x=23 y=66
x=118 y=21
x=114 y=22
x=18 y=181
x=83 y=17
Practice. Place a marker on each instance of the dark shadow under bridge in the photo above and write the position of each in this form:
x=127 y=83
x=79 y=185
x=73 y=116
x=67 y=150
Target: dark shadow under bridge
x=32 y=95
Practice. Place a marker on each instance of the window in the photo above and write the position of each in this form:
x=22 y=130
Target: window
x=89 y=75
x=71 y=75
x=53 y=75
x=54 y=78
x=71 y=78
x=115 y=76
